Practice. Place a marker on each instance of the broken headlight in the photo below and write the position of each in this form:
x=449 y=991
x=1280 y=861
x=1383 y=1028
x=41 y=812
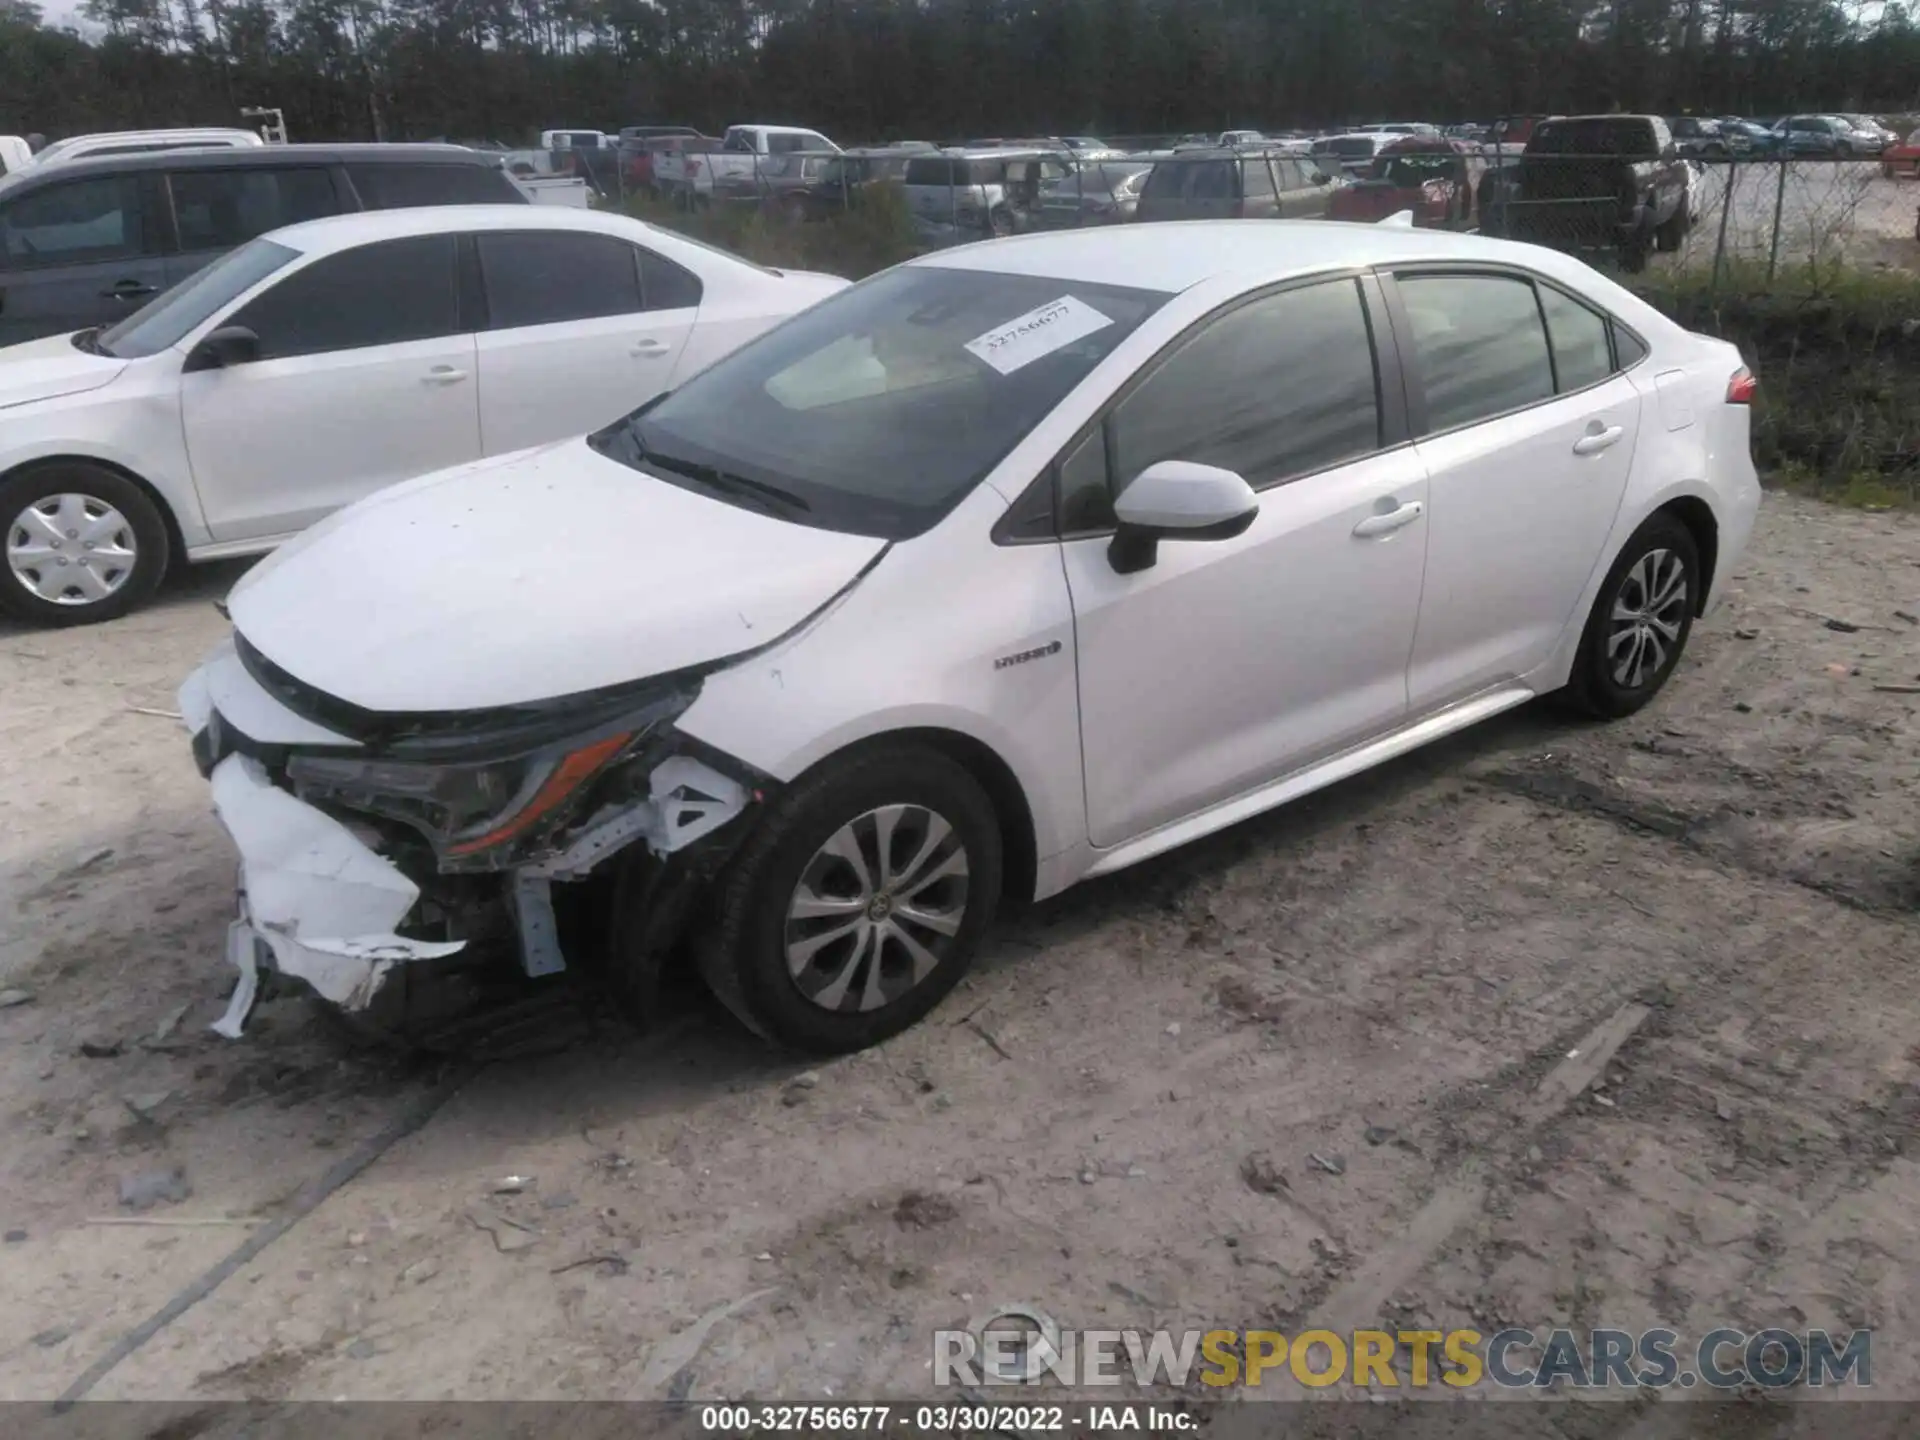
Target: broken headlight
x=482 y=813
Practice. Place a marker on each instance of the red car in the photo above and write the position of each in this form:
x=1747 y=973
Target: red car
x=1902 y=157
x=1433 y=178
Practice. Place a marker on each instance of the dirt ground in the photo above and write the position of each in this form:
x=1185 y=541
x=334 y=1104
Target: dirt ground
x=1377 y=977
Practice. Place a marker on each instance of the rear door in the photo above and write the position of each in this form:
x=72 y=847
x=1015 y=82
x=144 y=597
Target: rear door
x=215 y=210
x=1300 y=197
x=581 y=329
x=78 y=252
x=1527 y=430
x=1259 y=194
x=365 y=377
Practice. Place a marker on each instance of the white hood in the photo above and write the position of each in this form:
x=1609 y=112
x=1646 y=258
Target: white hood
x=545 y=573
x=44 y=369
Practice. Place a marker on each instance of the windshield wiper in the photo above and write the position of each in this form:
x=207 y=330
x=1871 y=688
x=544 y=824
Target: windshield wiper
x=720 y=479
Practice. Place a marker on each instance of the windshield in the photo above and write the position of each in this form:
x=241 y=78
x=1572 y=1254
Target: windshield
x=170 y=317
x=1410 y=171
x=1122 y=179
x=1604 y=135
x=878 y=410
x=1351 y=147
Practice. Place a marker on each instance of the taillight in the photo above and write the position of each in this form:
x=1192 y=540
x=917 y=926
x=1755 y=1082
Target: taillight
x=1741 y=387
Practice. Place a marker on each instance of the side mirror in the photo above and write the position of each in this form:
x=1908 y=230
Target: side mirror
x=1177 y=500
x=229 y=345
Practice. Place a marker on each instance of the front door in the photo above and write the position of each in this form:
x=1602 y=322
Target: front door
x=76 y=253
x=572 y=343
x=1531 y=436
x=365 y=377
x=1229 y=663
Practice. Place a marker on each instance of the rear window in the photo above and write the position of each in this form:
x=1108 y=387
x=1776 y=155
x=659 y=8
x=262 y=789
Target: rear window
x=402 y=187
x=1601 y=135
x=1352 y=147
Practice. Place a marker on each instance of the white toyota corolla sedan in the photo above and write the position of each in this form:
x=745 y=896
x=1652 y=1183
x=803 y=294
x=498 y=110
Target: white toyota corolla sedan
x=322 y=361
x=1011 y=566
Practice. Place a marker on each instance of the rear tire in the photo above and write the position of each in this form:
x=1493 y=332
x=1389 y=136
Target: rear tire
x=118 y=541
x=805 y=947
x=1639 y=624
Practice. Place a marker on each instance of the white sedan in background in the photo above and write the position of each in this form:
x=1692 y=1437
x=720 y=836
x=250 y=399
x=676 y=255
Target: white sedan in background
x=1010 y=566
x=320 y=362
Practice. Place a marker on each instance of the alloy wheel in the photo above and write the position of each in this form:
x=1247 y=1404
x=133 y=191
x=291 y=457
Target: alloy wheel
x=877 y=908
x=71 y=549
x=1649 y=610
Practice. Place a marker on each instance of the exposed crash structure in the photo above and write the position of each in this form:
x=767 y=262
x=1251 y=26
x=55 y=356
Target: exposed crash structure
x=377 y=842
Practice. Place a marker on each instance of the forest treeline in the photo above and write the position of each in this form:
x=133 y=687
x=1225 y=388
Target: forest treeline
x=933 y=69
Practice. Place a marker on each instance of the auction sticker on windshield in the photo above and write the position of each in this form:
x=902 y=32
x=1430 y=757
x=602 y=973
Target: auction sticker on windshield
x=1038 y=333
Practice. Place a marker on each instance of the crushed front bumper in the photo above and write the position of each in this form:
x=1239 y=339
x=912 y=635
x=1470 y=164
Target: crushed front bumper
x=321 y=897
x=315 y=901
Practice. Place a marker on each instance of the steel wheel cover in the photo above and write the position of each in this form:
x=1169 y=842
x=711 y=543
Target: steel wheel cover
x=71 y=549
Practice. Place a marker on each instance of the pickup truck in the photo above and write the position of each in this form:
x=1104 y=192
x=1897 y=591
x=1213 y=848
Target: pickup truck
x=1597 y=182
x=690 y=174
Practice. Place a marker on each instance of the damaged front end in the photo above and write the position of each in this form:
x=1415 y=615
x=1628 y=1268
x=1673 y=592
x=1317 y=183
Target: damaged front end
x=372 y=841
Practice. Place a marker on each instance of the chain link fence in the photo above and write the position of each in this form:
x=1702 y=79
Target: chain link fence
x=1717 y=215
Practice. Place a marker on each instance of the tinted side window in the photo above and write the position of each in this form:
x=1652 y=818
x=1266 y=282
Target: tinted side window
x=537 y=277
x=1259 y=179
x=73 y=224
x=1581 y=354
x=930 y=172
x=400 y=187
x=219 y=209
x=1480 y=345
x=1274 y=389
x=1627 y=347
x=667 y=286
x=382 y=294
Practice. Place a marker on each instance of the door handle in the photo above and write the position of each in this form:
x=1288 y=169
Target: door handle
x=1391 y=521
x=1594 y=441
x=129 y=290
x=444 y=375
x=649 y=349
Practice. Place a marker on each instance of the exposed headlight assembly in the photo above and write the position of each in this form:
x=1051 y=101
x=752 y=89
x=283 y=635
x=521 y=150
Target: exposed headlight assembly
x=492 y=810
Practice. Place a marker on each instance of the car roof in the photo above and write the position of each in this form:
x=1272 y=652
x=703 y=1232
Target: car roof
x=1176 y=255
x=253 y=157
x=338 y=232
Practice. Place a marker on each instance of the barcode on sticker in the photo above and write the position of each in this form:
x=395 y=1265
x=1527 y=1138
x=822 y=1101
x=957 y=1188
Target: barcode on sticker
x=1038 y=333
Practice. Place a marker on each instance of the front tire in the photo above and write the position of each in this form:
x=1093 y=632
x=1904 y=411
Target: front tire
x=1670 y=235
x=83 y=544
x=1640 y=622
x=858 y=902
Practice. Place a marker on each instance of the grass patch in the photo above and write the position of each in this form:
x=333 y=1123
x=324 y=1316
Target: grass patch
x=875 y=232
x=1837 y=350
